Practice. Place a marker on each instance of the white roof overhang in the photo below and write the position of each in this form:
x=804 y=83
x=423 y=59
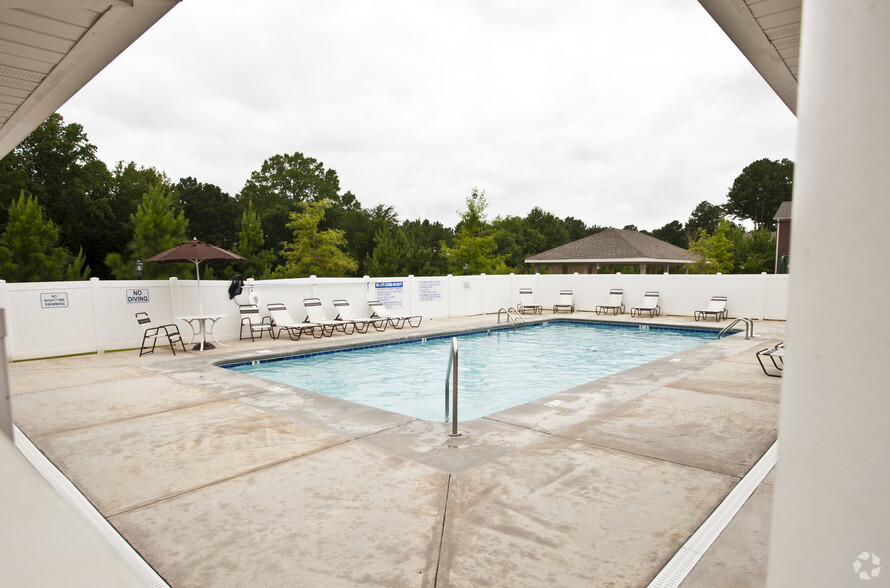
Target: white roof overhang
x=49 y=49
x=767 y=32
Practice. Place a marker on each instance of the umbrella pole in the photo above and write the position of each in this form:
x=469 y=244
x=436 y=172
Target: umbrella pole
x=198 y=274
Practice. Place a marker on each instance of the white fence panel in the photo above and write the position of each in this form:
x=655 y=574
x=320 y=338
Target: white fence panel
x=60 y=318
x=50 y=318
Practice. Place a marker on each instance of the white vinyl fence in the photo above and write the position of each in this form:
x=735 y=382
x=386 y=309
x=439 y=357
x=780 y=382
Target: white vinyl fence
x=49 y=319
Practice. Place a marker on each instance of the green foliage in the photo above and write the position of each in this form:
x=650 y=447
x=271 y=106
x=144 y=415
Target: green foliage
x=715 y=251
x=158 y=225
x=57 y=164
x=213 y=215
x=475 y=250
x=759 y=190
x=250 y=246
x=362 y=226
x=27 y=246
x=672 y=233
x=314 y=251
x=282 y=184
x=427 y=243
x=755 y=251
x=391 y=252
x=705 y=217
x=78 y=270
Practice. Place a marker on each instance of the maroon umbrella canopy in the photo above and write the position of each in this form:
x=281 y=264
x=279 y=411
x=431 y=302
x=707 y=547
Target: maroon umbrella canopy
x=194 y=251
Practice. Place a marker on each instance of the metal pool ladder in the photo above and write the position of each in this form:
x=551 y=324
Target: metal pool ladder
x=512 y=315
x=451 y=375
x=749 y=327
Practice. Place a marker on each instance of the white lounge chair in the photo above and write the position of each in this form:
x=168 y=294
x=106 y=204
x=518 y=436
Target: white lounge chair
x=361 y=324
x=716 y=307
x=379 y=311
x=250 y=318
x=616 y=303
x=315 y=314
x=649 y=304
x=171 y=332
x=527 y=302
x=283 y=321
x=566 y=301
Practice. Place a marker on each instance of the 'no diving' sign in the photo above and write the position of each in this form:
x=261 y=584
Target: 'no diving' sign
x=136 y=296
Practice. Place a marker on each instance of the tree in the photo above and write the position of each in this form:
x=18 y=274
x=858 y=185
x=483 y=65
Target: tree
x=158 y=224
x=57 y=164
x=427 y=243
x=27 y=246
x=129 y=184
x=672 y=233
x=474 y=251
x=78 y=270
x=250 y=246
x=715 y=251
x=212 y=214
x=282 y=183
x=313 y=251
x=754 y=251
x=390 y=254
x=705 y=216
x=759 y=190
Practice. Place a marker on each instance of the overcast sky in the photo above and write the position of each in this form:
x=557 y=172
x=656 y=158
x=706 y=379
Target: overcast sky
x=612 y=112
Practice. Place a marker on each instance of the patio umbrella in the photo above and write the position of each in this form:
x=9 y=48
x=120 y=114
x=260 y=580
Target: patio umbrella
x=195 y=251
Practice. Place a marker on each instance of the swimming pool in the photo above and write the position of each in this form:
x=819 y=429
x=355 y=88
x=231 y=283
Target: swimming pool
x=498 y=368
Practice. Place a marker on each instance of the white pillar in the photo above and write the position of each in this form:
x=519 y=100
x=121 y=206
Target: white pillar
x=832 y=500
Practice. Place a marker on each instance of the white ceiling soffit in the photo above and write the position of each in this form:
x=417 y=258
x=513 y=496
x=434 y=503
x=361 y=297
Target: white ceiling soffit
x=767 y=32
x=50 y=49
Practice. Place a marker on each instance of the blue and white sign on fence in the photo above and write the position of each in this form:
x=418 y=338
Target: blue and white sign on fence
x=137 y=296
x=389 y=293
x=54 y=300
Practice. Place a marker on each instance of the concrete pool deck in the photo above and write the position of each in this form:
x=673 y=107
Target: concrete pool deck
x=221 y=479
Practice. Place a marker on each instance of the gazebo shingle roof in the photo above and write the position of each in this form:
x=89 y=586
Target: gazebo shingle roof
x=784 y=212
x=615 y=244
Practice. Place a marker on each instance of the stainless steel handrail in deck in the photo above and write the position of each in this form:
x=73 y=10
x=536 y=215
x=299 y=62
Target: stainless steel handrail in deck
x=512 y=315
x=451 y=376
x=749 y=327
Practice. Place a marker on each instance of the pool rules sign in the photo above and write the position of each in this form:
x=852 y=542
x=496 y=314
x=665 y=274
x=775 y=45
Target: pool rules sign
x=137 y=296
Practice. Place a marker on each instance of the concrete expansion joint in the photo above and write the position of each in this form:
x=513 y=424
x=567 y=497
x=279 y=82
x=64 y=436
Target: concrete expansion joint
x=243 y=473
x=127 y=418
x=442 y=531
x=647 y=456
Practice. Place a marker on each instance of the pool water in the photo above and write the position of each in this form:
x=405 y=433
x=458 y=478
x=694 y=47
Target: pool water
x=497 y=369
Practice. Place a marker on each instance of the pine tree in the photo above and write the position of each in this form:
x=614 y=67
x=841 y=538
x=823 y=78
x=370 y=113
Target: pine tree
x=314 y=252
x=250 y=246
x=27 y=246
x=158 y=225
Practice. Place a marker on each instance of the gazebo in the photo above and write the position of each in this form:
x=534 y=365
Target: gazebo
x=608 y=249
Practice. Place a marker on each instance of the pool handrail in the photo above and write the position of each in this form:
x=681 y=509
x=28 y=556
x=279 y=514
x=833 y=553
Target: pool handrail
x=452 y=372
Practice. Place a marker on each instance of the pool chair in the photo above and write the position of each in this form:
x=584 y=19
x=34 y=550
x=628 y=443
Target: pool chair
x=649 y=304
x=716 y=307
x=171 y=332
x=361 y=324
x=250 y=320
x=283 y=321
x=379 y=311
x=776 y=355
x=527 y=302
x=315 y=314
x=616 y=303
x=566 y=301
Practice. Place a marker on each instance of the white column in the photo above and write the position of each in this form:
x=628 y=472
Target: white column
x=832 y=500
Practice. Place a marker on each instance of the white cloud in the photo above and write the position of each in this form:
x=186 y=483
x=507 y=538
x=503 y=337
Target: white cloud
x=615 y=113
